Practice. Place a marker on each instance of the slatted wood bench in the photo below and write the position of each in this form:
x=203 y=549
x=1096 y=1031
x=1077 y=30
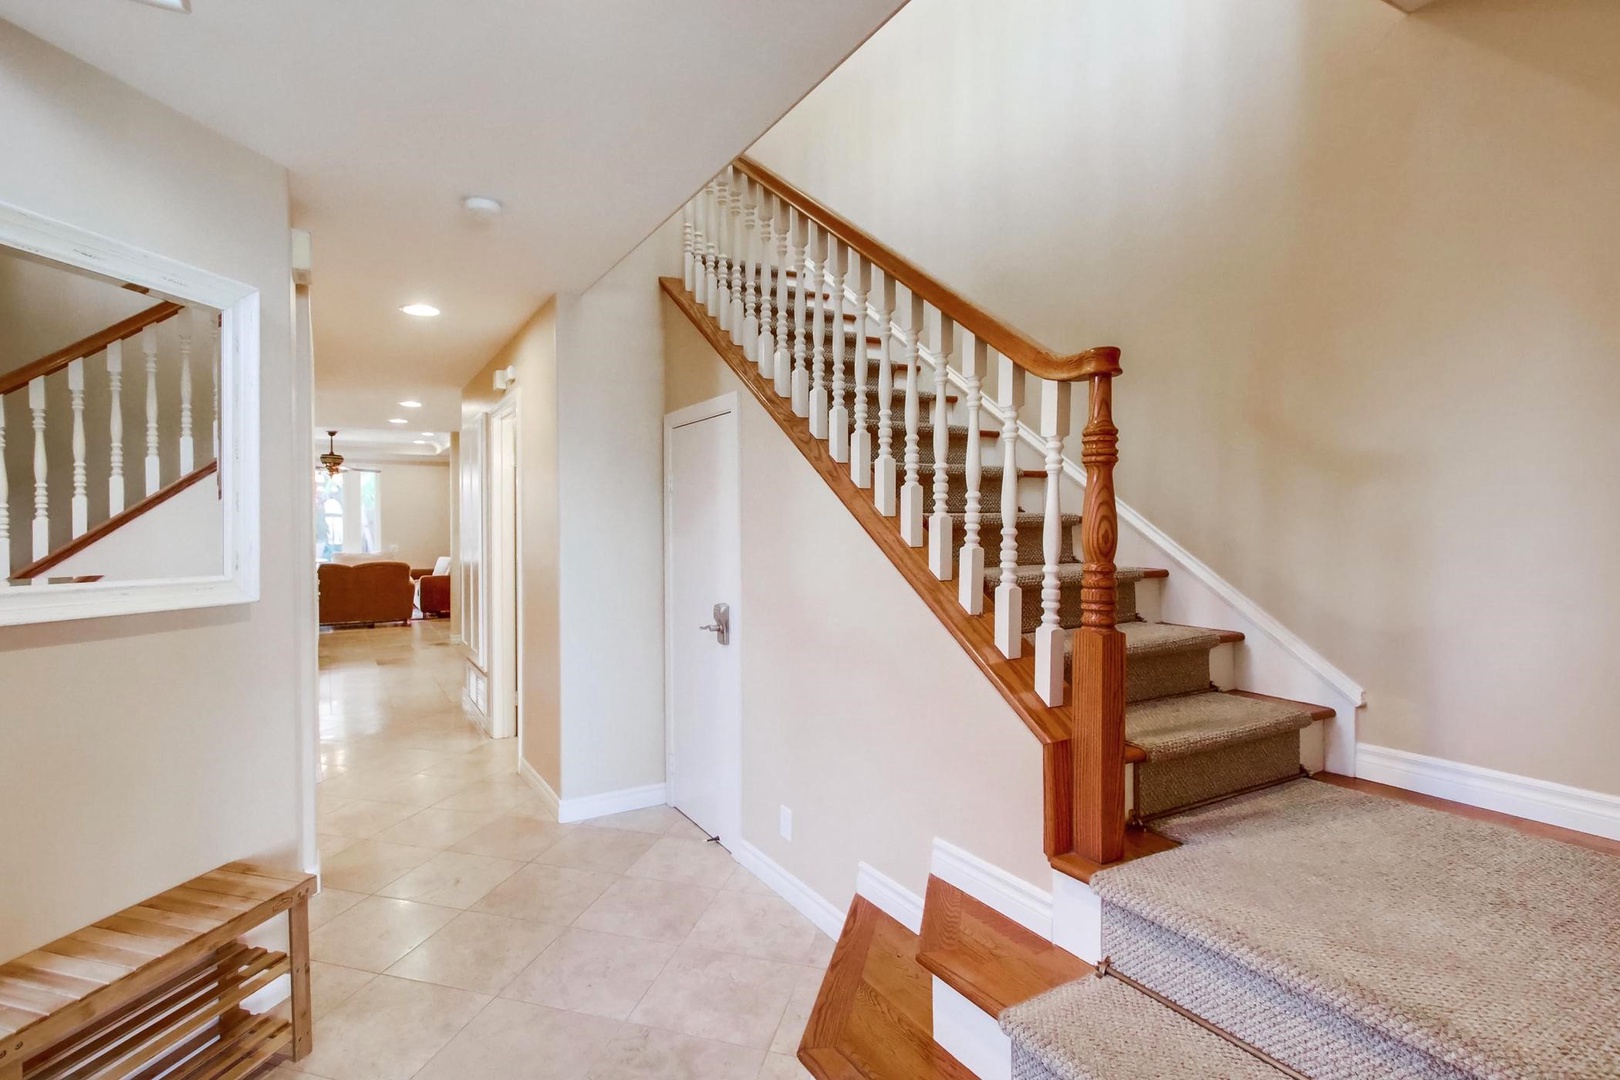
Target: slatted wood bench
x=157 y=989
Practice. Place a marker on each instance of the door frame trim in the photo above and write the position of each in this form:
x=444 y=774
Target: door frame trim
x=496 y=550
x=724 y=405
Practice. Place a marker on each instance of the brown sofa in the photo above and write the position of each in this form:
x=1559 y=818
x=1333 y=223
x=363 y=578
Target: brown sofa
x=433 y=593
x=366 y=593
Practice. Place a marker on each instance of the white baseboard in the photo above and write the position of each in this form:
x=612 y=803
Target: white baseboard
x=1522 y=796
x=585 y=807
x=1076 y=918
x=970 y=1035
x=1014 y=897
x=539 y=784
x=898 y=902
x=805 y=900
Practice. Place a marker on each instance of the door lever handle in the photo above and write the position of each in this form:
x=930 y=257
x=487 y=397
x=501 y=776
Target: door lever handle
x=721 y=627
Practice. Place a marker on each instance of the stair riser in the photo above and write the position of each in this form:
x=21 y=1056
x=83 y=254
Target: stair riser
x=1069 y=609
x=1296 y=1030
x=1163 y=786
x=1164 y=674
x=956 y=453
x=1030 y=544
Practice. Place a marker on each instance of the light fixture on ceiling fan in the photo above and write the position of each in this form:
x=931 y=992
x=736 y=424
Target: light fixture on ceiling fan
x=332 y=461
x=182 y=6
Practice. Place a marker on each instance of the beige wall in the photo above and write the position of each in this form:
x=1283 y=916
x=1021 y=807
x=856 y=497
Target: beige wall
x=860 y=711
x=533 y=352
x=414 y=499
x=137 y=752
x=1362 y=269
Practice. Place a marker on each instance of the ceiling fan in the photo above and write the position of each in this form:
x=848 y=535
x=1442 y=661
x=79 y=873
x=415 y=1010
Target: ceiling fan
x=332 y=461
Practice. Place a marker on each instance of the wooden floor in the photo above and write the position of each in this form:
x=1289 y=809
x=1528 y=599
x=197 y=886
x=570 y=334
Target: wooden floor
x=874 y=1016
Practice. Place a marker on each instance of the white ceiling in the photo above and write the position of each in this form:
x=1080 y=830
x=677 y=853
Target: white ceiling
x=592 y=120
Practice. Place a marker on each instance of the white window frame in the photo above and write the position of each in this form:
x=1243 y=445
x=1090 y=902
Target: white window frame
x=238 y=579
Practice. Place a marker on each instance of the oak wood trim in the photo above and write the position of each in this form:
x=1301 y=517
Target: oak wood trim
x=1013 y=679
x=1139 y=844
x=1015 y=345
x=61 y=358
x=114 y=523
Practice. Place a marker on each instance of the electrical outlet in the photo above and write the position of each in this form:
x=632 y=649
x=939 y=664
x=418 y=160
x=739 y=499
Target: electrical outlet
x=785 y=826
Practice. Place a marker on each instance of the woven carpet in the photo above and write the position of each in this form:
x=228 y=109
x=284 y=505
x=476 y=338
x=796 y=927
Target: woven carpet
x=1351 y=935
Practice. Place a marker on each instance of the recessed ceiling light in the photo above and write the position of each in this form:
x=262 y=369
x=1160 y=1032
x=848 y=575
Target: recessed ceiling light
x=429 y=434
x=420 y=442
x=482 y=205
x=421 y=311
x=182 y=6
x=396 y=420
x=411 y=404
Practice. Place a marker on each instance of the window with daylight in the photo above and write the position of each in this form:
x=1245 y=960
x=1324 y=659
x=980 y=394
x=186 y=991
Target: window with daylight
x=348 y=514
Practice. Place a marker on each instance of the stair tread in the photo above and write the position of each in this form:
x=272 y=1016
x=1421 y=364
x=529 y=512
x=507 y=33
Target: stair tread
x=1157 y=638
x=1101 y=1029
x=1173 y=727
x=986 y=957
x=1024 y=517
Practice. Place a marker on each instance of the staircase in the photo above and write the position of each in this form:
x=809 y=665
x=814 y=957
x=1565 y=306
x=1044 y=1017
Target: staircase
x=1215 y=912
x=72 y=465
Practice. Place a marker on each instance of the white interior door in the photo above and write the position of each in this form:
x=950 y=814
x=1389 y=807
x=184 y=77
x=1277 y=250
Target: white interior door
x=503 y=585
x=703 y=554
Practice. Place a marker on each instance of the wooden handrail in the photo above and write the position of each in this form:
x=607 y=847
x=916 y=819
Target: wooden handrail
x=61 y=358
x=1010 y=342
x=114 y=523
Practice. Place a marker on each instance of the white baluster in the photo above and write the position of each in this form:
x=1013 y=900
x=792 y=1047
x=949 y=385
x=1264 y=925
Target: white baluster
x=801 y=373
x=883 y=486
x=820 y=247
x=688 y=238
x=149 y=350
x=860 y=451
x=970 y=563
x=787 y=253
x=739 y=256
x=1050 y=637
x=941 y=527
x=911 y=495
x=711 y=250
x=765 y=344
x=42 y=494
x=838 y=413
x=1009 y=597
x=187 y=454
x=750 y=320
x=115 y=428
x=80 y=507
x=5 y=505
x=723 y=239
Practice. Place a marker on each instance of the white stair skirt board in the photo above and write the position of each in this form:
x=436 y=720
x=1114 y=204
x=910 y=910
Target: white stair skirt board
x=1522 y=796
x=806 y=901
x=539 y=784
x=586 y=807
x=992 y=886
x=970 y=1035
x=1076 y=918
x=894 y=899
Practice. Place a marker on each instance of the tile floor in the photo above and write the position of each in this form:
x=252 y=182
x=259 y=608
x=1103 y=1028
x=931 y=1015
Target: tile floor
x=462 y=934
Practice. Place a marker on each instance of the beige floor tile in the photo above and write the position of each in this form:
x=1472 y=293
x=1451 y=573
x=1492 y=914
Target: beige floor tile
x=520 y=838
x=720 y=996
x=688 y=862
x=584 y=971
x=514 y=1040
x=756 y=925
x=368 y=865
x=451 y=879
x=376 y=932
x=638 y=907
x=783 y=1067
x=552 y=894
x=607 y=851
x=421 y=789
x=329 y=844
x=329 y=903
x=331 y=985
x=641 y=1053
x=743 y=880
x=790 y=1030
x=653 y=819
x=684 y=829
x=477 y=952
x=498 y=796
x=360 y=818
x=435 y=828
x=388 y=1030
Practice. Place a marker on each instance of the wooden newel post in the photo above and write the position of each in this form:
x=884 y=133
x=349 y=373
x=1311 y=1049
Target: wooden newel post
x=1099 y=648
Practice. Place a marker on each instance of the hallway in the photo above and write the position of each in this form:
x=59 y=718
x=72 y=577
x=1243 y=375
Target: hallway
x=461 y=932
